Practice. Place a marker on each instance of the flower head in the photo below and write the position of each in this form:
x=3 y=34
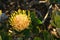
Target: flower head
x=19 y=20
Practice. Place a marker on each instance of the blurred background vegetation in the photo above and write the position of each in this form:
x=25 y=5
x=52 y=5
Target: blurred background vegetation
x=44 y=14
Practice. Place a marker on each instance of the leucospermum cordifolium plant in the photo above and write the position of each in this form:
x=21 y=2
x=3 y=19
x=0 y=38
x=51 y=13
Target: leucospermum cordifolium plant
x=19 y=20
x=24 y=22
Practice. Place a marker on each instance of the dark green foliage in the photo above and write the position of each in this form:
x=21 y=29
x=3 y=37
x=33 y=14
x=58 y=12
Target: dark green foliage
x=34 y=31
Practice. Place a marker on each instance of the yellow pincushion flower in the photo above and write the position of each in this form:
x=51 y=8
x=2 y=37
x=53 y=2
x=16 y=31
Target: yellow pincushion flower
x=19 y=20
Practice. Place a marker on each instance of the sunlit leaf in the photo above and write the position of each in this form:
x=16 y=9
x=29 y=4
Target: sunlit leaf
x=37 y=38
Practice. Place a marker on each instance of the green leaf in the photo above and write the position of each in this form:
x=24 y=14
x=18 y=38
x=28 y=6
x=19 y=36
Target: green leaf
x=35 y=21
x=4 y=36
x=0 y=38
x=32 y=15
x=56 y=18
x=26 y=33
x=20 y=38
x=38 y=21
x=37 y=38
x=46 y=35
x=35 y=30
